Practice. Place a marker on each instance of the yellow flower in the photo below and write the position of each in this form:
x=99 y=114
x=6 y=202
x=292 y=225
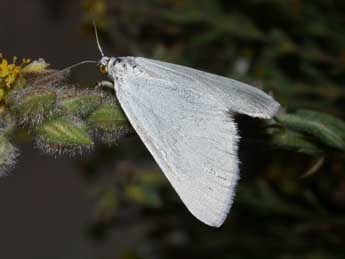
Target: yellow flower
x=10 y=72
x=2 y=93
x=4 y=68
x=14 y=71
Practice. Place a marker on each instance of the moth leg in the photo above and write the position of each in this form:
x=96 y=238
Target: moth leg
x=106 y=84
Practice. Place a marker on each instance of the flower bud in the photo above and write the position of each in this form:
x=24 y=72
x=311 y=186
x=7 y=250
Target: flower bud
x=64 y=135
x=8 y=156
x=32 y=105
x=79 y=103
x=109 y=123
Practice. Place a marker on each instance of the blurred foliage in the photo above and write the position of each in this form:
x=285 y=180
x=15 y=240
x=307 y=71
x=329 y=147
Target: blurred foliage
x=291 y=198
x=290 y=202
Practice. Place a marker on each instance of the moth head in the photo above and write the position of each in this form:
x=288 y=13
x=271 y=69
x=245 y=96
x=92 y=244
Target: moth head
x=103 y=64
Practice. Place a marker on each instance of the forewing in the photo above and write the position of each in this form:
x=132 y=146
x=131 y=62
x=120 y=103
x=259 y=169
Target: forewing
x=191 y=136
x=236 y=96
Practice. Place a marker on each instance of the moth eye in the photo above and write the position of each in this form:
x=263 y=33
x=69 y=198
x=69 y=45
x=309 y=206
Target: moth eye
x=102 y=69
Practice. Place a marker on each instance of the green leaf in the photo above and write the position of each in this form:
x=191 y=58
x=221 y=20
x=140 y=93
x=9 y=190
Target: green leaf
x=332 y=122
x=295 y=141
x=317 y=128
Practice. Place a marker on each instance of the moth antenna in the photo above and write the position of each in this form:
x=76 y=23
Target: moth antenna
x=64 y=70
x=97 y=39
x=77 y=65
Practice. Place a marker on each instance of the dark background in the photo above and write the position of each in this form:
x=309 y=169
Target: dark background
x=43 y=206
x=74 y=207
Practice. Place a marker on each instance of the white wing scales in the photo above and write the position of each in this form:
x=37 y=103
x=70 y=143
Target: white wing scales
x=189 y=132
x=236 y=96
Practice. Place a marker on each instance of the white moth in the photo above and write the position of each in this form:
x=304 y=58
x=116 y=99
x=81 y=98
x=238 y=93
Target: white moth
x=184 y=118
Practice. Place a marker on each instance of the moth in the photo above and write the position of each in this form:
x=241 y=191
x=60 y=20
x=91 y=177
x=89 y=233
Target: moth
x=185 y=119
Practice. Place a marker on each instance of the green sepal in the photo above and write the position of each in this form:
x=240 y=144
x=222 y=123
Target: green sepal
x=32 y=105
x=79 y=103
x=108 y=122
x=63 y=134
x=8 y=155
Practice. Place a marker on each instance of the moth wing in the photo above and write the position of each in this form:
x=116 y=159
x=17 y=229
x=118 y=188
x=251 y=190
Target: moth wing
x=238 y=97
x=191 y=136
